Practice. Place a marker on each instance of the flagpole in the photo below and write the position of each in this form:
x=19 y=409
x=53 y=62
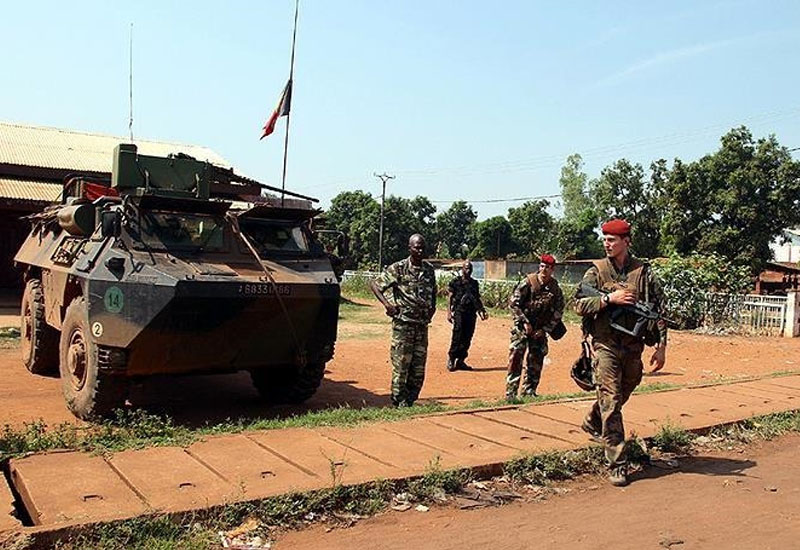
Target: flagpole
x=289 y=114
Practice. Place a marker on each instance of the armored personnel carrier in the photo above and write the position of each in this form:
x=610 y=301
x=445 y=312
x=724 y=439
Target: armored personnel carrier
x=175 y=266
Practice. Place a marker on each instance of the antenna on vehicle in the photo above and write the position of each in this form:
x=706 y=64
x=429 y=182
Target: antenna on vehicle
x=130 y=84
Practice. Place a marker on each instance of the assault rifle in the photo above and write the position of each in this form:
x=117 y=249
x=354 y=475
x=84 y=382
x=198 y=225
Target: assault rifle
x=643 y=311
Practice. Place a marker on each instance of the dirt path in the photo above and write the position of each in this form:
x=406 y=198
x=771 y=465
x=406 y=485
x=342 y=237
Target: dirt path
x=359 y=375
x=741 y=499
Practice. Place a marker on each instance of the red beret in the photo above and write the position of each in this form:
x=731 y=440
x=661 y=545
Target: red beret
x=548 y=259
x=616 y=226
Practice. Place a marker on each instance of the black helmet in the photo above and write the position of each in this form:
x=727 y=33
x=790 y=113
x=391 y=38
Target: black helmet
x=581 y=371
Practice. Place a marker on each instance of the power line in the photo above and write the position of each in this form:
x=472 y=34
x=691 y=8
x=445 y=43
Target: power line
x=487 y=201
x=549 y=161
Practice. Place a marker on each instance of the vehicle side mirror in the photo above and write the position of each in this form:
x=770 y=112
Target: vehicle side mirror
x=110 y=223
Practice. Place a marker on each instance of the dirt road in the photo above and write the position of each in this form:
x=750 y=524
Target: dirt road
x=359 y=375
x=732 y=500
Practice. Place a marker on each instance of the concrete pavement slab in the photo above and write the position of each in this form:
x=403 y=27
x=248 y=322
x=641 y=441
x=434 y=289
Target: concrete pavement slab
x=560 y=435
x=458 y=449
x=791 y=382
x=747 y=405
x=331 y=462
x=246 y=465
x=64 y=488
x=405 y=455
x=8 y=521
x=497 y=432
x=171 y=480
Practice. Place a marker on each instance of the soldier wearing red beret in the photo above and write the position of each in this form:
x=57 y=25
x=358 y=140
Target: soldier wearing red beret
x=537 y=306
x=618 y=356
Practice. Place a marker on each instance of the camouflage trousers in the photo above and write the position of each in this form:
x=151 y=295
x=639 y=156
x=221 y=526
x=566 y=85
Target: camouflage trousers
x=617 y=372
x=537 y=350
x=409 y=354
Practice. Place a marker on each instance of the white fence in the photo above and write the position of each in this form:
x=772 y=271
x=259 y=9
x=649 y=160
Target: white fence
x=749 y=313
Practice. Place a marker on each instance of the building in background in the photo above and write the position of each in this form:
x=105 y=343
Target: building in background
x=786 y=248
x=33 y=163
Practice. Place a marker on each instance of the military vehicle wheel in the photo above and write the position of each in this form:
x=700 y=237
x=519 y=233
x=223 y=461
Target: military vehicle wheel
x=87 y=391
x=288 y=384
x=38 y=340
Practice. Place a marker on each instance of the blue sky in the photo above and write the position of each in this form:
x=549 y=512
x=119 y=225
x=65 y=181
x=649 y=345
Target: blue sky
x=459 y=100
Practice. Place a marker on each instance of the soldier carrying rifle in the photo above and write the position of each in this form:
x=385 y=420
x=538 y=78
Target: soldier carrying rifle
x=613 y=318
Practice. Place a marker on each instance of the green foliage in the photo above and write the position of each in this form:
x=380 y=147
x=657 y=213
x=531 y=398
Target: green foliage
x=688 y=281
x=672 y=439
x=357 y=215
x=494 y=239
x=455 y=228
x=733 y=202
x=622 y=191
x=532 y=228
x=555 y=466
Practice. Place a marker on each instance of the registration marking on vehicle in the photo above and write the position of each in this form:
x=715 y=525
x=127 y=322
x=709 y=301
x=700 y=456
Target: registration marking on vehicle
x=264 y=289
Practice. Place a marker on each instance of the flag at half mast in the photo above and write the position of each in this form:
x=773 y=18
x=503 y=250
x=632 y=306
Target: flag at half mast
x=281 y=110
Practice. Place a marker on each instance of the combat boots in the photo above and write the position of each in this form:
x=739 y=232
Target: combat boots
x=593 y=433
x=619 y=475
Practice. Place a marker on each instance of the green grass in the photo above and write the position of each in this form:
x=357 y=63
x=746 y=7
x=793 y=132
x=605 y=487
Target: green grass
x=672 y=439
x=9 y=333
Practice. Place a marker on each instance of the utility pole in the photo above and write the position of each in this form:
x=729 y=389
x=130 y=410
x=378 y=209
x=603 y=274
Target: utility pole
x=384 y=178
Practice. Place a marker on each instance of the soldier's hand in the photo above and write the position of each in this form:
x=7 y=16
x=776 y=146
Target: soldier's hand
x=449 y=316
x=484 y=314
x=658 y=359
x=392 y=310
x=529 y=329
x=622 y=297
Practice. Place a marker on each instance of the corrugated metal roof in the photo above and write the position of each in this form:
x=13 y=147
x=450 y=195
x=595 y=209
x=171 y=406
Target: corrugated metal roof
x=45 y=147
x=30 y=190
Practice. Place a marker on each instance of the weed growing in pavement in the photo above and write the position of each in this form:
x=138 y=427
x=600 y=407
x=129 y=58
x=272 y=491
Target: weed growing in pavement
x=436 y=480
x=761 y=427
x=555 y=466
x=11 y=333
x=672 y=439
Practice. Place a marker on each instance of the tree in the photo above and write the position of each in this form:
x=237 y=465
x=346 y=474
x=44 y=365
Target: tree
x=357 y=215
x=576 y=238
x=735 y=201
x=576 y=235
x=532 y=228
x=574 y=188
x=494 y=238
x=455 y=228
x=400 y=222
x=623 y=192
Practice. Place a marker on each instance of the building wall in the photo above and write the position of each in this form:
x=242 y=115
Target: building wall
x=14 y=231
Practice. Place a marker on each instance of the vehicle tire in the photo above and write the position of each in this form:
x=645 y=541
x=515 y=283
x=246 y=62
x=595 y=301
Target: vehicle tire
x=38 y=340
x=88 y=391
x=288 y=384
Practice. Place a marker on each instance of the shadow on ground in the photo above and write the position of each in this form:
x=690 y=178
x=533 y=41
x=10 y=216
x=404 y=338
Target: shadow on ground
x=195 y=401
x=701 y=465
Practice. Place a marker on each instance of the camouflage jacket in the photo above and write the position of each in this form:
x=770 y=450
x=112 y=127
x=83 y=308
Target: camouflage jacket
x=541 y=304
x=636 y=276
x=413 y=290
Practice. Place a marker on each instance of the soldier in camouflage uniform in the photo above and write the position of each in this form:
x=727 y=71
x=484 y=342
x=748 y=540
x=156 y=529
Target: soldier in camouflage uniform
x=537 y=306
x=413 y=285
x=618 y=356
